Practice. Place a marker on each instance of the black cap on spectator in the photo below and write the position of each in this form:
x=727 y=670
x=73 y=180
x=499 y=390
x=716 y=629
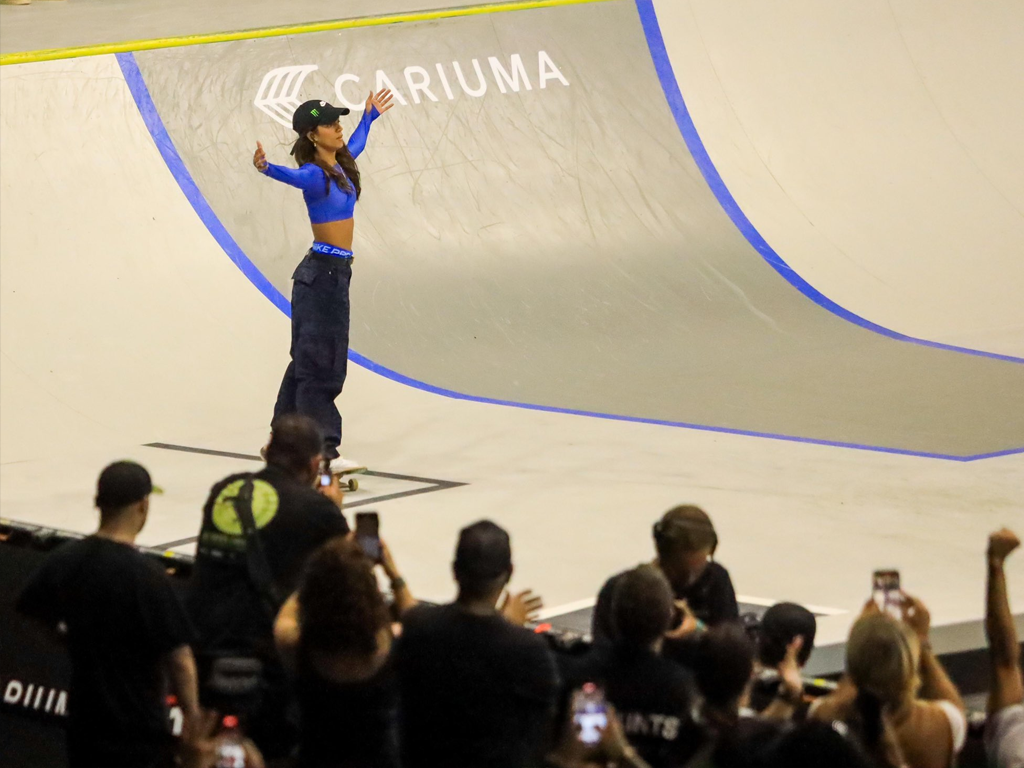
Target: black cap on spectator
x=123 y=483
x=483 y=552
x=779 y=625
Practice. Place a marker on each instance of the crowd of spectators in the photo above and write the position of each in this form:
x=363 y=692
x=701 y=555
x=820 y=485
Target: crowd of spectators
x=286 y=628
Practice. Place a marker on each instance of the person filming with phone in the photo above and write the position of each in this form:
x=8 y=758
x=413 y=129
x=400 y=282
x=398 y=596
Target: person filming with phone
x=256 y=534
x=652 y=694
x=895 y=694
x=335 y=633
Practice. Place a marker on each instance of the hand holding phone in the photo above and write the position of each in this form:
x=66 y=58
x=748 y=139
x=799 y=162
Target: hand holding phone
x=589 y=713
x=368 y=534
x=327 y=484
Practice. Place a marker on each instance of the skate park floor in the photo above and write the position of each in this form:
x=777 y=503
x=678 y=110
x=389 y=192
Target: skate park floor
x=129 y=330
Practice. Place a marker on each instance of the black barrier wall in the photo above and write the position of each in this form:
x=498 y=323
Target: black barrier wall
x=35 y=672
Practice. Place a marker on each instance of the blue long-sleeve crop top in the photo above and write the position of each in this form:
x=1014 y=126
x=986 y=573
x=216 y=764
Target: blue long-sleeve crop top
x=333 y=203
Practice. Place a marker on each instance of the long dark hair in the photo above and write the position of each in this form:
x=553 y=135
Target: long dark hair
x=304 y=151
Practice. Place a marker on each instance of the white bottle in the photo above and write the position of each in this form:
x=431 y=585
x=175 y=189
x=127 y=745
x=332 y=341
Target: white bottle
x=231 y=745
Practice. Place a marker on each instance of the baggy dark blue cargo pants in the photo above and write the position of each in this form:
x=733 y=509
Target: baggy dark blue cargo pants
x=319 y=348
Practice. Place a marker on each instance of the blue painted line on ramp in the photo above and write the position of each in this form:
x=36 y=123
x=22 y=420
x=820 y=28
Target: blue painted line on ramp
x=137 y=86
x=656 y=44
x=154 y=123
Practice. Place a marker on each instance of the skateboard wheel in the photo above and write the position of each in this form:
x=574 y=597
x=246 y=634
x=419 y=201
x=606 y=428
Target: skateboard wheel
x=353 y=484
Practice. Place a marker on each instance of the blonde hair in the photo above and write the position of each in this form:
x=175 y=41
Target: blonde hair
x=882 y=656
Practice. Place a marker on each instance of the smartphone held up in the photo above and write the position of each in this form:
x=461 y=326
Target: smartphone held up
x=589 y=713
x=885 y=591
x=368 y=534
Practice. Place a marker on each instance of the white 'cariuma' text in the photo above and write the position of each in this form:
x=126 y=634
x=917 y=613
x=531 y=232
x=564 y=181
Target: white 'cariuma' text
x=421 y=84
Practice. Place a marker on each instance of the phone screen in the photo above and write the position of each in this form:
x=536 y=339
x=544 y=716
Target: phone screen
x=589 y=713
x=325 y=479
x=885 y=590
x=368 y=534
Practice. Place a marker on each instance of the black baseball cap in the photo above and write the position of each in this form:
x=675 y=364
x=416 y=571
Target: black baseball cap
x=780 y=624
x=310 y=114
x=123 y=483
x=484 y=551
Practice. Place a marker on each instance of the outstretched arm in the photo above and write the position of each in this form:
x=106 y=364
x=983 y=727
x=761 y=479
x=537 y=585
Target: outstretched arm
x=376 y=105
x=1007 y=683
x=308 y=178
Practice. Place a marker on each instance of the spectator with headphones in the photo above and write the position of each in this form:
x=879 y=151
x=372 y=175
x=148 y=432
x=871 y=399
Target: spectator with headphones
x=685 y=542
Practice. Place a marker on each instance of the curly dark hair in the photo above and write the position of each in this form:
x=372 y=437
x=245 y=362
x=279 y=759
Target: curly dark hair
x=341 y=609
x=304 y=151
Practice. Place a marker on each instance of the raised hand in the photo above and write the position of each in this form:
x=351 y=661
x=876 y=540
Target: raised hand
x=916 y=616
x=381 y=100
x=332 y=491
x=259 y=160
x=689 y=623
x=522 y=607
x=789 y=670
x=1002 y=543
x=387 y=562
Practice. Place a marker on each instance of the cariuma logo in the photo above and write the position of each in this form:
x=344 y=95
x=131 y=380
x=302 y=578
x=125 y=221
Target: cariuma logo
x=278 y=95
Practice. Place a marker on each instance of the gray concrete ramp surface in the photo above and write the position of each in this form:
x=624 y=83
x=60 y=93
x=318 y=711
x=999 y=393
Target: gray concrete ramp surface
x=533 y=229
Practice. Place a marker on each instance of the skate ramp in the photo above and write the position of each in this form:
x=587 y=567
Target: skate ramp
x=555 y=244
x=875 y=146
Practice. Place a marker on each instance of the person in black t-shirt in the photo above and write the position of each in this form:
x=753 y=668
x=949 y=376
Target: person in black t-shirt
x=292 y=519
x=477 y=691
x=685 y=541
x=125 y=628
x=653 y=696
x=335 y=634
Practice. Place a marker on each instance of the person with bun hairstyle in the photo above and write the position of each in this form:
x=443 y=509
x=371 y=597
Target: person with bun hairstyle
x=331 y=184
x=685 y=542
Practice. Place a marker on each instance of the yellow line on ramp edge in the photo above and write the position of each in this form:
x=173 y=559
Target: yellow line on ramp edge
x=52 y=54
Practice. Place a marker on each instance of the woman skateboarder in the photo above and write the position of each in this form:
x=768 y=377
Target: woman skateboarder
x=329 y=179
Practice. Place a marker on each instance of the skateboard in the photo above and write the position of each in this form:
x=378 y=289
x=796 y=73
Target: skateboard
x=351 y=483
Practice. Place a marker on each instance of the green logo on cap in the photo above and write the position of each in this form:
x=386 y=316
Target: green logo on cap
x=314 y=113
